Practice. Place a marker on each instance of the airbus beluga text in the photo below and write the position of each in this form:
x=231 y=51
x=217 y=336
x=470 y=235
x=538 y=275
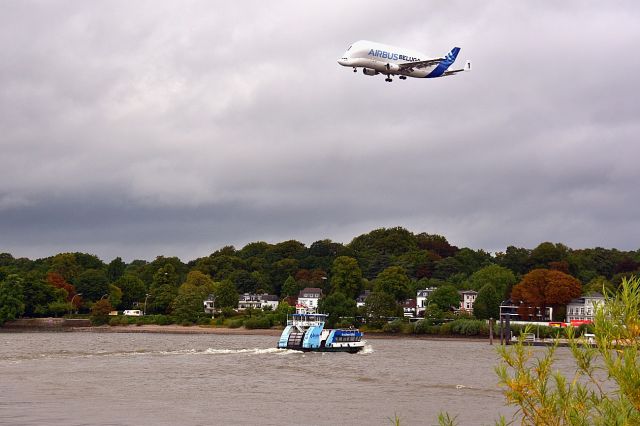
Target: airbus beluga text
x=376 y=58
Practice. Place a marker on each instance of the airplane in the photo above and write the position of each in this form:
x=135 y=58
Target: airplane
x=377 y=58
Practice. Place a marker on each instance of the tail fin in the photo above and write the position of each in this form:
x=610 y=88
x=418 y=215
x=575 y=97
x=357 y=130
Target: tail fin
x=439 y=71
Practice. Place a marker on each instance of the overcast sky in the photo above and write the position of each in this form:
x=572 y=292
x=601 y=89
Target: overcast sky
x=147 y=128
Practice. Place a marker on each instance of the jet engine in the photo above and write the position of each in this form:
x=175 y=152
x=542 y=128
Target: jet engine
x=393 y=67
x=368 y=71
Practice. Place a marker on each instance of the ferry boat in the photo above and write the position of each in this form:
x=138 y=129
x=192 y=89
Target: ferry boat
x=305 y=332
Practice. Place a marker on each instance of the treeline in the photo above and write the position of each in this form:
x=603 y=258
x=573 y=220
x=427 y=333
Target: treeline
x=391 y=262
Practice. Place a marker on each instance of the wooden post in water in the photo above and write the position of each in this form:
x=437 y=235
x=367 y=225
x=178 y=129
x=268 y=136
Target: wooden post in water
x=491 y=331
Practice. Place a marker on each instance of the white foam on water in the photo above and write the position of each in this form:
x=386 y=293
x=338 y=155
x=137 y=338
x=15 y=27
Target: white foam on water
x=368 y=349
x=254 y=351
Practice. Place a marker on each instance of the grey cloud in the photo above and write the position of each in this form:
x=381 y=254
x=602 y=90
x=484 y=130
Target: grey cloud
x=175 y=128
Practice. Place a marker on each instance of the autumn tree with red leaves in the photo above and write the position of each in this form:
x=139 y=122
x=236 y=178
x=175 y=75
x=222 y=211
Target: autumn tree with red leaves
x=57 y=280
x=542 y=288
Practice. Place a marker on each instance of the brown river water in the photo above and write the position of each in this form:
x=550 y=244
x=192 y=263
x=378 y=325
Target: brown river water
x=207 y=379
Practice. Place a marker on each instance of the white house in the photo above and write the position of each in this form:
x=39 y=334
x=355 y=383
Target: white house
x=583 y=308
x=309 y=297
x=209 y=304
x=421 y=299
x=257 y=301
x=468 y=298
x=361 y=300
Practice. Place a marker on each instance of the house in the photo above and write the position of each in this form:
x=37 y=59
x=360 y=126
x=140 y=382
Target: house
x=584 y=308
x=409 y=308
x=468 y=298
x=257 y=301
x=361 y=300
x=524 y=313
x=421 y=299
x=309 y=297
x=209 y=304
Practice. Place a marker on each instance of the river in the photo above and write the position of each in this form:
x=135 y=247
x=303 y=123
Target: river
x=207 y=379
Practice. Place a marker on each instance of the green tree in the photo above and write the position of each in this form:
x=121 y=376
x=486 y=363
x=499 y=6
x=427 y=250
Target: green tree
x=394 y=281
x=290 y=287
x=93 y=284
x=226 y=295
x=346 y=277
x=133 y=290
x=188 y=304
x=116 y=269
x=487 y=303
x=337 y=305
x=378 y=307
x=445 y=297
x=66 y=265
x=501 y=278
x=11 y=299
x=162 y=298
x=115 y=295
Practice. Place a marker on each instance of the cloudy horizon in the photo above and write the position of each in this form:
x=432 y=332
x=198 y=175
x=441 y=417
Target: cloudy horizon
x=176 y=128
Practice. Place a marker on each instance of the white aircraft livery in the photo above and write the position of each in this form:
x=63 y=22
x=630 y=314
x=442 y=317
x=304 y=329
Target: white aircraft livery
x=377 y=58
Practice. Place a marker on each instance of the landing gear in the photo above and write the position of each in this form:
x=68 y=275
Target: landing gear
x=403 y=77
x=355 y=69
x=388 y=79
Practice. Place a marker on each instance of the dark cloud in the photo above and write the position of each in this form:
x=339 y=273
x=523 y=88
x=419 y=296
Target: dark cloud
x=177 y=127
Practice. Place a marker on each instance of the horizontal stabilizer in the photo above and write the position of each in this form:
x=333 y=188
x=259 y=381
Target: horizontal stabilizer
x=467 y=67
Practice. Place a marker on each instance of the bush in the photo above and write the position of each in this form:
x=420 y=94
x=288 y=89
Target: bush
x=393 y=327
x=257 y=322
x=235 y=323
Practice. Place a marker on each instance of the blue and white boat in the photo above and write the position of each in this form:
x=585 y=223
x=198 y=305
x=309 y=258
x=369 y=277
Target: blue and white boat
x=305 y=332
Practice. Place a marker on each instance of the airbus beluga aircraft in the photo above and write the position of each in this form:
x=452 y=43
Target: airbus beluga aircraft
x=377 y=58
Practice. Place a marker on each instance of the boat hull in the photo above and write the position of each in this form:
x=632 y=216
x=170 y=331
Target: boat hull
x=350 y=349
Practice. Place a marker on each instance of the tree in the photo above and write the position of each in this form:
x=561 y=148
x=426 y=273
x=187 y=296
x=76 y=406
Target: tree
x=514 y=258
x=379 y=306
x=501 y=278
x=541 y=288
x=11 y=299
x=116 y=269
x=226 y=295
x=162 y=298
x=93 y=284
x=187 y=306
x=346 y=276
x=337 y=305
x=546 y=253
x=487 y=303
x=100 y=312
x=115 y=295
x=445 y=297
x=133 y=290
x=394 y=281
x=290 y=288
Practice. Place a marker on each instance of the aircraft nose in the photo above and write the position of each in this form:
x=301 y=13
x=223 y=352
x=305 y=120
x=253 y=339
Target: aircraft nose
x=343 y=61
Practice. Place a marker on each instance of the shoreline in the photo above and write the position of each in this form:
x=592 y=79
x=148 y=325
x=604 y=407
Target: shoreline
x=195 y=329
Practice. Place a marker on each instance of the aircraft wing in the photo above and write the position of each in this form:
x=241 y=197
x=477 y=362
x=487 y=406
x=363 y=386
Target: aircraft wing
x=409 y=66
